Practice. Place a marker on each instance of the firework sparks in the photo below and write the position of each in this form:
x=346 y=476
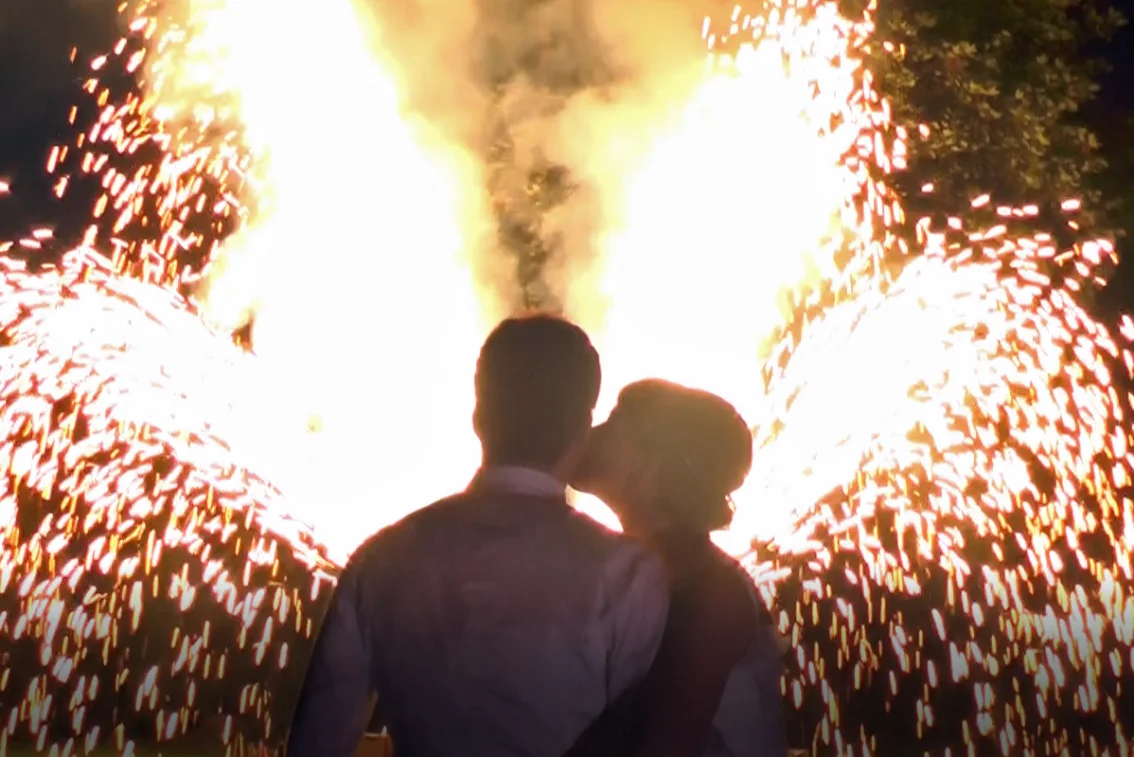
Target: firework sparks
x=980 y=526
x=388 y=206
x=943 y=468
x=765 y=177
x=151 y=576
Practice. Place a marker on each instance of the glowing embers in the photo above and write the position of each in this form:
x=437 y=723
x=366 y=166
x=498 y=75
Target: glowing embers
x=147 y=577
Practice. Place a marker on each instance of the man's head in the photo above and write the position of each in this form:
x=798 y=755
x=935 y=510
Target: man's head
x=537 y=383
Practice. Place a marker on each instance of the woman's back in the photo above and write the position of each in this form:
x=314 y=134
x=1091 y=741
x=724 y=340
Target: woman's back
x=706 y=695
x=749 y=719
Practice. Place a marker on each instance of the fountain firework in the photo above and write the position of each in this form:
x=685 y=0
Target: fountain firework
x=147 y=577
x=941 y=484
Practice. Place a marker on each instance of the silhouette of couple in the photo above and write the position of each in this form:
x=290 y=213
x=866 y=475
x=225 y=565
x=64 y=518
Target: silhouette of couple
x=501 y=622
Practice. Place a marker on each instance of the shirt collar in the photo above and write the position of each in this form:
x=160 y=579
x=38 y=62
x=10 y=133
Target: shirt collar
x=516 y=479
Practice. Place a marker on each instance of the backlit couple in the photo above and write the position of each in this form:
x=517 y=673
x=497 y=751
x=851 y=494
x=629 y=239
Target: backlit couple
x=502 y=623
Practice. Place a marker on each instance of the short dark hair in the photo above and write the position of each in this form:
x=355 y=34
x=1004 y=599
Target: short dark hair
x=537 y=384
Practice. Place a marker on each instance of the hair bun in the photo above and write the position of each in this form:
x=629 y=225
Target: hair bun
x=703 y=443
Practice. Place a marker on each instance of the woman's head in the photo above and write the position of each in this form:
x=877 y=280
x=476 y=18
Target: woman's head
x=668 y=458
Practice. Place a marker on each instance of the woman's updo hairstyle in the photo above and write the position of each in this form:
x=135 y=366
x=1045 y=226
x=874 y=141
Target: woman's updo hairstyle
x=701 y=444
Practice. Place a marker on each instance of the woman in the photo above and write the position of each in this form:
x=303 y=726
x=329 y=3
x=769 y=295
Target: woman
x=666 y=462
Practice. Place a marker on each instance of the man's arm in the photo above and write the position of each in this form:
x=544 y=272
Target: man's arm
x=638 y=600
x=337 y=695
x=710 y=627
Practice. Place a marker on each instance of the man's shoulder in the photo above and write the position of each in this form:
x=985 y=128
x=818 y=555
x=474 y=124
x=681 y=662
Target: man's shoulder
x=408 y=528
x=434 y=513
x=567 y=529
x=594 y=537
x=626 y=566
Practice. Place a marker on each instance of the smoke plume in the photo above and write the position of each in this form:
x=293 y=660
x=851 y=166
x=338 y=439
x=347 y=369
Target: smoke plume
x=554 y=95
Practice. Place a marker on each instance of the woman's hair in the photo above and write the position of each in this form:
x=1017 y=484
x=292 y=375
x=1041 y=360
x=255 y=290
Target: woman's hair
x=702 y=445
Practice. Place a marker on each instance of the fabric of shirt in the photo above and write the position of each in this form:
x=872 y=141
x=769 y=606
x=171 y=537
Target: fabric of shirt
x=749 y=720
x=496 y=622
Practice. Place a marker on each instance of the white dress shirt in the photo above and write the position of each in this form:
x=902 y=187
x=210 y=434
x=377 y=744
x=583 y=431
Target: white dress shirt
x=498 y=622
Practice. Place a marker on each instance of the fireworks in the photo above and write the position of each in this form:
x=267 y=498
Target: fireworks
x=943 y=469
x=370 y=193
x=986 y=533
x=766 y=178
x=150 y=576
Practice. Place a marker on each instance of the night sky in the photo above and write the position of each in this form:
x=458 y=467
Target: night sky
x=1118 y=87
x=1113 y=113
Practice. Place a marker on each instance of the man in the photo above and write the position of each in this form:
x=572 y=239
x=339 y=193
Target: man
x=498 y=621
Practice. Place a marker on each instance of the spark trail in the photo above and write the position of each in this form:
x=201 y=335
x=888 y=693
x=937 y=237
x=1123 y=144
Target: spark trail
x=147 y=578
x=941 y=488
x=964 y=586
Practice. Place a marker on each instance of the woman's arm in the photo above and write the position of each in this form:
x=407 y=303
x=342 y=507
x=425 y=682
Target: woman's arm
x=711 y=625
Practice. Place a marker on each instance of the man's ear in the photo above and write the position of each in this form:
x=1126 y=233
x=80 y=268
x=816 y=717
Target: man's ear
x=476 y=425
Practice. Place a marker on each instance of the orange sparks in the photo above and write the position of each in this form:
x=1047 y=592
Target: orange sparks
x=941 y=497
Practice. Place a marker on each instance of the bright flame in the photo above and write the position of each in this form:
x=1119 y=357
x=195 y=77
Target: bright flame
x=946 y=445
x=743 y=196
x=373 y=345
x=694 y=261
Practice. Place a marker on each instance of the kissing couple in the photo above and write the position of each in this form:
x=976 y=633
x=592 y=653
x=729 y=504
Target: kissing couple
x=501 y=622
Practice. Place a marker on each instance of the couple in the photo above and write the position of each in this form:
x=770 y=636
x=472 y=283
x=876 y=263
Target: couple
x=500 y=621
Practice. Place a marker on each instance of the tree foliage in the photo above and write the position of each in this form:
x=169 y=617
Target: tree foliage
x=1002 y=86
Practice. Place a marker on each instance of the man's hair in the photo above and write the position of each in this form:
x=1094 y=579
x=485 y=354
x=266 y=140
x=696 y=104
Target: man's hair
x=537 y=383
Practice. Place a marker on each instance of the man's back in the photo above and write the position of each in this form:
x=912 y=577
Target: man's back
x=500 y=621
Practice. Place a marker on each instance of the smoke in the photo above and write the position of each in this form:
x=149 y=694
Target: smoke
x=554 y=96
x=544 y=103
x=421 y=174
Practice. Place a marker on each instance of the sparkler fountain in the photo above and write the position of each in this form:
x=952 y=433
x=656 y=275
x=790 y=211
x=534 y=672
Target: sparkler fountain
x=941 y=491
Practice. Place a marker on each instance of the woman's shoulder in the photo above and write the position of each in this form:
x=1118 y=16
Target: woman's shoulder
x=722 y=590
x=718 y=572
x=718 y=594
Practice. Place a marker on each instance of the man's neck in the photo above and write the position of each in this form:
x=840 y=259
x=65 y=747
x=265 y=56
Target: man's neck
x=520 y=479
x=490 y=463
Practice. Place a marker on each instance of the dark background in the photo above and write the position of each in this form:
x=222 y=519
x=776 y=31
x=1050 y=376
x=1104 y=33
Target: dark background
x=1112 y=117
x=1117 y=96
